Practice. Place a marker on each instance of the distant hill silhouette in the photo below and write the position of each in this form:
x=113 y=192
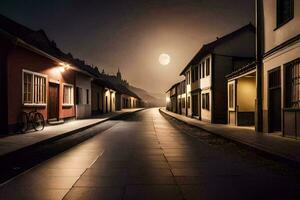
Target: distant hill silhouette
x=150 y=100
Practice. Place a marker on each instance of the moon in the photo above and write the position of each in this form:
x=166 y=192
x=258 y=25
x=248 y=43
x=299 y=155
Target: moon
x=164 y=59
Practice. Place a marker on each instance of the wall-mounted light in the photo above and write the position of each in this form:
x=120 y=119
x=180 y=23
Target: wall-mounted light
x=168 y=99
x=63 y=67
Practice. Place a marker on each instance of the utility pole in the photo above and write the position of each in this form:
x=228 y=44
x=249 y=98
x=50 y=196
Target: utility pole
x=259 y=65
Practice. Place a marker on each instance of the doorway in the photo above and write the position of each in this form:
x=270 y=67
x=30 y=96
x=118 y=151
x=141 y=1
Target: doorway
x=53 y=105
x=195 y=108
x=275 y=100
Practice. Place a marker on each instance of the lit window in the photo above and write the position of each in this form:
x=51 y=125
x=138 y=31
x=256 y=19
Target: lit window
x=34 y=88
x=68 y=95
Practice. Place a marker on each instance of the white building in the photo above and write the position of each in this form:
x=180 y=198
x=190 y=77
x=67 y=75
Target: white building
x=281 y=66
x=206 y=88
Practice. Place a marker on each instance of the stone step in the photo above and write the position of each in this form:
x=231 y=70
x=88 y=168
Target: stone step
x=55 y=121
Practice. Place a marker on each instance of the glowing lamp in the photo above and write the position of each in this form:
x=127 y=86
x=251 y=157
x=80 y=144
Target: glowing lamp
x=168 y=99
x=63 y=67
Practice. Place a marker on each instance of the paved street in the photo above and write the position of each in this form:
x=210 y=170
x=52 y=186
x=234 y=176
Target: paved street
x=151 y=156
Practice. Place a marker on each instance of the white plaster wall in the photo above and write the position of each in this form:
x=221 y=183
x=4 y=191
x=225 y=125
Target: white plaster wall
x=276 y=37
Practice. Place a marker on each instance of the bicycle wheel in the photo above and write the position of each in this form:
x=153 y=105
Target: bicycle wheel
x=23 y=122
x=38 y=122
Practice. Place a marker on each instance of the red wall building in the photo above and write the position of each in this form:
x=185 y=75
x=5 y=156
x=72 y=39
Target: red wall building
x=35 y=80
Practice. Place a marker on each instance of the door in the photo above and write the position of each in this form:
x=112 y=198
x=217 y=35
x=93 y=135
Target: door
x=110 y=102
x=53 y=101
x=195 y=105
x=275 y=100
x=106 y=106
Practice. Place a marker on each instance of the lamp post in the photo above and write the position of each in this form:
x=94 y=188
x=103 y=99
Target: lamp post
x=259 y=65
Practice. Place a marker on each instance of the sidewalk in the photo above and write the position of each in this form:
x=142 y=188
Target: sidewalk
x=278 y=146
x=13 y=143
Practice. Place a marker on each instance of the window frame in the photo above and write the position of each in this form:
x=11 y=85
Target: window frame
x=78 y=96
x=87 y=96
x=205 y=101
x=32 y=95
x=289 y=86
x=207 y=66
x=183 y=102
x=282 y=23
x=72 y=95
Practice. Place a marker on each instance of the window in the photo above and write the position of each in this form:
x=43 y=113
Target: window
x=188 y=79
x=203 y=69
x=205 y=101
x=183 y=102
x=78 y=95
x=68 y=95
x=34 y=88
x=194 y=73
x=274 y=79
x=231 y=96
x=183 y=87
x=207 y=67
x=285 y=11
x=293 y=84
x=188 y=102
x=87 y=96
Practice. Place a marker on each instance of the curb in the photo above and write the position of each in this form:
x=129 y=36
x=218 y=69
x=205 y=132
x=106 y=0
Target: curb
x=61 y=136
x=258 y=148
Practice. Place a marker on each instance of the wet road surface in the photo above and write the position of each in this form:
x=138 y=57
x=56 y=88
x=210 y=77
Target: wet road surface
x=151 y=156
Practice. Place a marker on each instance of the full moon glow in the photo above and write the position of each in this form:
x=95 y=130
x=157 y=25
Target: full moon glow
x=164 y=59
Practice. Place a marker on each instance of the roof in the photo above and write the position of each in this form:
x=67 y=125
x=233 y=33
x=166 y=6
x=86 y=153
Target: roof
x=111 y=82
x=249 y=67
x=176 y=84
x=208 y=48
x=39 y=40
x=124 y=90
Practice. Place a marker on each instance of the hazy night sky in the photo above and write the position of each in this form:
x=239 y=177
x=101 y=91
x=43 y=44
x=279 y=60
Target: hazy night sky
x=132 y=34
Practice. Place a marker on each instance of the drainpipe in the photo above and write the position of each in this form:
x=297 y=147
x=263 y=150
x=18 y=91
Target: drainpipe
x=4 y=90
x=259 y=65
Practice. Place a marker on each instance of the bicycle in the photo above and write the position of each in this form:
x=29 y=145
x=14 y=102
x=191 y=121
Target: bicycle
x=32 y=119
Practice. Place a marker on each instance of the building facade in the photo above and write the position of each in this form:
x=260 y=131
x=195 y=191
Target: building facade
x=37 y=76
x=83 y=96
x=281 y=67
x=206 y=85
x=181 y=98
x=35 y=79
x=241 y=94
